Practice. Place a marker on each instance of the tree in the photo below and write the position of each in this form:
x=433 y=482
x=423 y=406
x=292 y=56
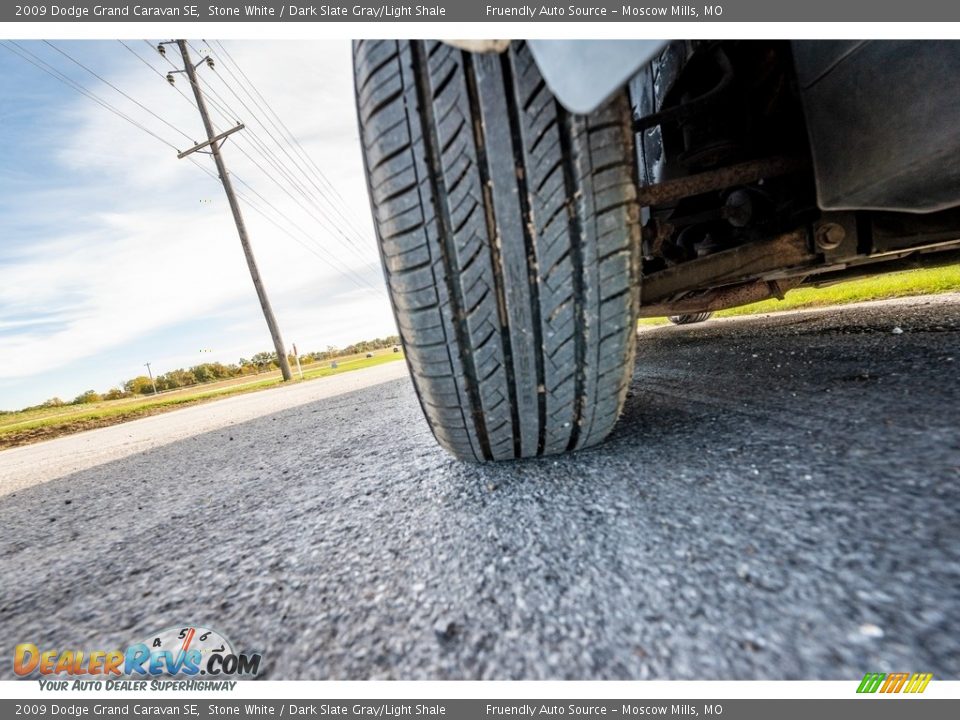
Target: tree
x=202 y=373
x=220 y=371
x=90 y=396
x=140 y=385
x=264 y=360
x=176 y=379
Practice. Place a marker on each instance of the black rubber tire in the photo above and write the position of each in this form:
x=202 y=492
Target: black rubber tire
x=690 y=318
x=508 y=231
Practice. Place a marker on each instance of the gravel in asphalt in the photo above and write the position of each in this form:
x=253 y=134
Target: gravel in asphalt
x=779 y=500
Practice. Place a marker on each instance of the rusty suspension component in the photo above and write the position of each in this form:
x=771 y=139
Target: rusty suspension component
x=728 y=267
x=722 y=298
x=746 y=172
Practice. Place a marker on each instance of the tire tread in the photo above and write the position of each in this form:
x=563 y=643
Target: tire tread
x=509 y=248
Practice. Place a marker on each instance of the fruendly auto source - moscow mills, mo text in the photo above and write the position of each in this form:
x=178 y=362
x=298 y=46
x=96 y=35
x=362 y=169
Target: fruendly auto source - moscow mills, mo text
x=584 y=10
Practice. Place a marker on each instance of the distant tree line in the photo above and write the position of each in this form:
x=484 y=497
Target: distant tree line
x=211 y=372
x=364 y=346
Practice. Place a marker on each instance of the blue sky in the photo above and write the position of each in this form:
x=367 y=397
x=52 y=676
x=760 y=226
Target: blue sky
x=114 y=253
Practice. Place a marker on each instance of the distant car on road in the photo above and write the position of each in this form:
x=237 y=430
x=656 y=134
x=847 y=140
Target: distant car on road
x=533 y=199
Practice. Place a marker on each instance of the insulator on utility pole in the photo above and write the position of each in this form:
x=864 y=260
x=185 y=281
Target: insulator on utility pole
x=214 y=141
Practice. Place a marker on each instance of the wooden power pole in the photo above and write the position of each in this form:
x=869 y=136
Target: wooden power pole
x=213 y=142
x=152 y=381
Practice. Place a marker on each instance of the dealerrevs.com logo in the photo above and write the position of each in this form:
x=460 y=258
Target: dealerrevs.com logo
x=186 y=652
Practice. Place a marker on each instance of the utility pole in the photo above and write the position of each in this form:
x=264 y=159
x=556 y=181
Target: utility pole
x=152 y=381
x=214 y=142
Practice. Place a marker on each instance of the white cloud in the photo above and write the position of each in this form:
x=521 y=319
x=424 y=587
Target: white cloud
x=146 y=241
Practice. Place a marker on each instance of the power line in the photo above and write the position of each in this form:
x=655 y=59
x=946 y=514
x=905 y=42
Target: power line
x=335 y=206
x=53 y=72
x=308 y=195
x=289 y=133
x=346 y=270
x=162 y=76
x=357 y=280
x=322 y=220
x=258 y=146
x=362 y=284
x=227 y=112
x=335 y=203
x=110 y=84
x=27 y=56
x=334 y=262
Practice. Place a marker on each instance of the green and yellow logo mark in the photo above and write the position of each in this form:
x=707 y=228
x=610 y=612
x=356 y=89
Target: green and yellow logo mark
x=895 y=682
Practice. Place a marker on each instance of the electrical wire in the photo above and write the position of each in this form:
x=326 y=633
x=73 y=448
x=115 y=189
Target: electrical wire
x=50 y=70
x=139 y=57
x=228 y=114
x=222 y=106
x=257 y=146
x=322 y=193
x=26 y=55
x=361 y=284
x=110 y=84
x=304 y=232
x=334 y=206
x=293 y=138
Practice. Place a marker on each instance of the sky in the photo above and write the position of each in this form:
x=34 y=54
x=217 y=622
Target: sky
x=114 y=253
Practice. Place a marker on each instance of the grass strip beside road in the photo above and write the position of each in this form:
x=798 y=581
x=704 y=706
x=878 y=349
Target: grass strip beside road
x=882 y=287
x=22 y=428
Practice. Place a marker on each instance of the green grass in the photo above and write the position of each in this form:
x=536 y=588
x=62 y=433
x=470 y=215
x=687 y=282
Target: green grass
x=20 y=428
x=882 y=287
x=345 y=365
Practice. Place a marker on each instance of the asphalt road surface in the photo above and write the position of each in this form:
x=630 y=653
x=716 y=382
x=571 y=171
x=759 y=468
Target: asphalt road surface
x=30 y=465
x=779 y=500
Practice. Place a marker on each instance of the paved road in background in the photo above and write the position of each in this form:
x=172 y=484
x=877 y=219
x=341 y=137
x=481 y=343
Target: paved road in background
x=779 y=500
x=29 y=465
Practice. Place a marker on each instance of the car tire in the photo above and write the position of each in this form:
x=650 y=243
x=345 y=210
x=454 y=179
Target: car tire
x=689 y=319
x=508 y=232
